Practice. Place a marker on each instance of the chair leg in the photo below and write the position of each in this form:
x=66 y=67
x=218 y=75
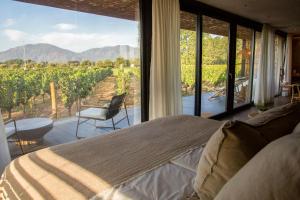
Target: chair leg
x=127 y=115
x=77 y=127
x=20 y=144
x=113 y=123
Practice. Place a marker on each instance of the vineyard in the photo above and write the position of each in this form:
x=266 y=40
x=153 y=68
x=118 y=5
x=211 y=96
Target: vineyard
x=24 y=84
x=21 y=88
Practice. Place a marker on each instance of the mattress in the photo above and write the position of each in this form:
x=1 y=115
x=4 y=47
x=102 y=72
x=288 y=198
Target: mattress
x=91 y=167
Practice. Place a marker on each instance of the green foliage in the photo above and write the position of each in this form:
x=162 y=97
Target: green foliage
x=188 y=57
x=124 y=76
x=19 y=86
x=215 y=49
x=213 y=76
x=11 y=87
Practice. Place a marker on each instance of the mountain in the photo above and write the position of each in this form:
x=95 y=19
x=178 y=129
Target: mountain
x=110 y=53
x=51 y=53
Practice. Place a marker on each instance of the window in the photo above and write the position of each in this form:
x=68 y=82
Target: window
x=89 y=51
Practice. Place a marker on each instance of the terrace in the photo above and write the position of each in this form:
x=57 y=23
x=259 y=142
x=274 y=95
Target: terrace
x=64 y=129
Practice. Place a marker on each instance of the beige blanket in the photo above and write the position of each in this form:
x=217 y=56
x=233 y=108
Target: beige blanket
x=82 y=169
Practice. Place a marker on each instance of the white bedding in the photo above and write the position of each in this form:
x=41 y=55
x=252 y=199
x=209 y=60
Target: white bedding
x=173 y=180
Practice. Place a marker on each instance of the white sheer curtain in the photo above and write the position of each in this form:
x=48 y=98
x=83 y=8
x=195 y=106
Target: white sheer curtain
x=279 y=57
x=264 y=87
x=288 y=60
x=165 y=81
x=4 y=152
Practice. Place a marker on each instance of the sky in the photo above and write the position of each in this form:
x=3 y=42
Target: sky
x=23 y=23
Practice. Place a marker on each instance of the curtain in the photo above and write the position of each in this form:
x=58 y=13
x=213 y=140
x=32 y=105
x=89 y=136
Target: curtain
x=165 y=79
x=288 y=60
x=279 y=57
x=4 y=152
x=264 y=88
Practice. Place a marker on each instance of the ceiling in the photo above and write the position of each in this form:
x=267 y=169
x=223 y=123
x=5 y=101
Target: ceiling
x=282 y=14
x=125 y=9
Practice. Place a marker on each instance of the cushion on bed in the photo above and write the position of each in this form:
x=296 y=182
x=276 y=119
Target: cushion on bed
x=271 y=174
x=229 y=148
x=277 y=122
x=296 y=129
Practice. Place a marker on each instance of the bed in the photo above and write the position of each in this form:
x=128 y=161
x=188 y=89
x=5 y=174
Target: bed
x=153 y=160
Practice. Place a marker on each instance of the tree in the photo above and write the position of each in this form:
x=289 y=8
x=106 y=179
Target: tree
x=120 y=62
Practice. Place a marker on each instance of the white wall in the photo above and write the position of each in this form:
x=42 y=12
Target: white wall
x=4 y=152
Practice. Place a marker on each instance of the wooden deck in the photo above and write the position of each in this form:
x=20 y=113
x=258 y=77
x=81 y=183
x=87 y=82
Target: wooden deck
x=64 y=131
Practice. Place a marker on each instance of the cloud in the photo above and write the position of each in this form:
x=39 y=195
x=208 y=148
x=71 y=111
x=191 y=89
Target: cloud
x=65 y=27
x=74 y=41
x=78 y=42
x=14 y=35
x=9 y=22
x=82 y=41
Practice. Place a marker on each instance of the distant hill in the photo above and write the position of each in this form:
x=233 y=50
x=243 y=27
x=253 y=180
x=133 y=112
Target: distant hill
x=51 y=53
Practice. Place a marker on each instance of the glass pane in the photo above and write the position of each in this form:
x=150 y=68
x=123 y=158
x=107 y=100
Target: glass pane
x=90 y=51
x=214 y=66
x=242 y=87
x=188 y=40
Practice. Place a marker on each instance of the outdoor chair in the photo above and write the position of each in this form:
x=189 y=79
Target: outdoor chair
x=295 y=94
x=103 y=113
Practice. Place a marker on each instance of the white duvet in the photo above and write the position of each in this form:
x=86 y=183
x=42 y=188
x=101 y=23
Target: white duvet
x=173 y=180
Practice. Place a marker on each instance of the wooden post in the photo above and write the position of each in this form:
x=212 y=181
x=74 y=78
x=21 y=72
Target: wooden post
x=53 y=99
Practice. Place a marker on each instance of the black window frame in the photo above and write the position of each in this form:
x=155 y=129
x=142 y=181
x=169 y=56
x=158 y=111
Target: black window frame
x=199 y=9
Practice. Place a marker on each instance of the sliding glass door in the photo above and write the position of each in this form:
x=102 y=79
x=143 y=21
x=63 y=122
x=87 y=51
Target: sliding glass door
x=217 y=60
x=243 y=66
x=214 y=66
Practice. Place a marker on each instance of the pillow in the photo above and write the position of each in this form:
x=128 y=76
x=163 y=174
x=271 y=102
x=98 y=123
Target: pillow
x=271 y=174
x=228 y=149
x=297 y=129
x=277 y=122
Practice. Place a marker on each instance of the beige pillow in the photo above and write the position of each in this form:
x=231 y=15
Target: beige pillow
x=229 y=148
x=277 y=122
x=297 y=129
x=271 y=174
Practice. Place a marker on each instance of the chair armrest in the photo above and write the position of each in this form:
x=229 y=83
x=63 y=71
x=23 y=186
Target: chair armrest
x=92 y=106
x=9 y=121
x=105 y=101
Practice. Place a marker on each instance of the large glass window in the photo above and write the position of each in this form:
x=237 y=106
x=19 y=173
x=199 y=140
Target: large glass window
x=188 y=42
x=242 y=85
x=88 y=50
x=214 y=66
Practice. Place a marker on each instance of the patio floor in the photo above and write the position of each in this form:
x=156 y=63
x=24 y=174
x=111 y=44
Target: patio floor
x=64 y=129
